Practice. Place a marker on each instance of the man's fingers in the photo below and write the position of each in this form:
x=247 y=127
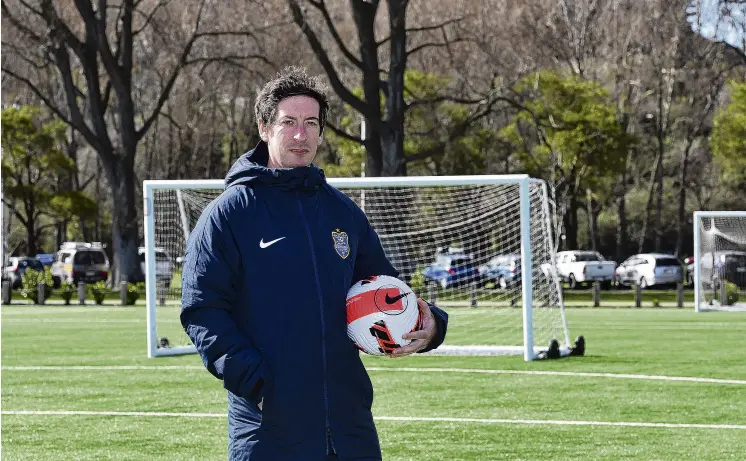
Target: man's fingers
x=419 y=334
x=410 y=348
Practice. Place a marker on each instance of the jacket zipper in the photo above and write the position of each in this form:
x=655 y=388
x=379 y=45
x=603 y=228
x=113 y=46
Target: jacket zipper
x=329 y=442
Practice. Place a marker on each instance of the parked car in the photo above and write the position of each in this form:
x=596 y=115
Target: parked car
x=580 y=267
x=452 y=269
x=46 y=259
x=649 y=269
x=164 y=267
x=16 y=267
x=728 y=265
x=502 y=270
x=80 y=262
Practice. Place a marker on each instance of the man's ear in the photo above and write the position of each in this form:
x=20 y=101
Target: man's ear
x=263 y=131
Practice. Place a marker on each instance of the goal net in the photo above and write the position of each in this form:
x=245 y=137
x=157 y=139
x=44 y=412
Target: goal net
x=719 y=269
x=478 y=247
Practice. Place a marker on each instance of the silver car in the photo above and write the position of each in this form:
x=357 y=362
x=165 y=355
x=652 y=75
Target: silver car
x=648 y=269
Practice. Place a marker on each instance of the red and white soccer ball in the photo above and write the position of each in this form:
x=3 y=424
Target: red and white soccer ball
x=381 y=309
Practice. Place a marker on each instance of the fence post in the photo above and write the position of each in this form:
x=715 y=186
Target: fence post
x=596 y=293
x=123 y=292
x=161 y=289
x=638 y=295
x=474 y=293
x=41 y=291
x=6 y=292
x=723 y=293
x=81 y=293
x=680 y=294
x=432 y=292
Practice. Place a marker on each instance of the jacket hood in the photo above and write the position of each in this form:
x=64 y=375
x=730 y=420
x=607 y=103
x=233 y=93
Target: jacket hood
x=251 y=169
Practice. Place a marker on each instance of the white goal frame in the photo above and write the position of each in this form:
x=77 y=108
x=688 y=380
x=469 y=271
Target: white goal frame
x=698 y=215
x=523 y=181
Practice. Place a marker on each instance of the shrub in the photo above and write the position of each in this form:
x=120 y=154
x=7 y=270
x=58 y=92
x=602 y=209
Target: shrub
x=98 y=291
x=731 y=293
x=133 y=292
x=31 y=279
x=66 y=291
x=417 y=282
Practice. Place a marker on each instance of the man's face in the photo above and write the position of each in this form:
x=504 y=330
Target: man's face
x=295 y=134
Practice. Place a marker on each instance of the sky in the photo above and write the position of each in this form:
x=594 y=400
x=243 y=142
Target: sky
x=731 y=29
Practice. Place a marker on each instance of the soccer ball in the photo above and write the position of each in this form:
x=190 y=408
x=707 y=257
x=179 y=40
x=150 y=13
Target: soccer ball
x=380 y=309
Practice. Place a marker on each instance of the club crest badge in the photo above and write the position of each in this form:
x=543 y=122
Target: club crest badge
x=341 y=243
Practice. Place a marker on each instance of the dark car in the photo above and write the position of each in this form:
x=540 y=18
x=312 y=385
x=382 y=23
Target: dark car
x=451 y=270
x=503 y=270
x=17 y=265
x=728 y=265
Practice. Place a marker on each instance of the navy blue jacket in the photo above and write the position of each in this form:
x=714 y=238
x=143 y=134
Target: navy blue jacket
x=264 y=291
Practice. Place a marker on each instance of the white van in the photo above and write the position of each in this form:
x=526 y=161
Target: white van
x=80 y=262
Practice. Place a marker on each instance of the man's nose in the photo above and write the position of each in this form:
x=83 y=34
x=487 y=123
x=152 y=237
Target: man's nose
x=301 y=132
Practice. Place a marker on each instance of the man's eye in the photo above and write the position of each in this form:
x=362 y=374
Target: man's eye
x=312 y=123
x=288 y=122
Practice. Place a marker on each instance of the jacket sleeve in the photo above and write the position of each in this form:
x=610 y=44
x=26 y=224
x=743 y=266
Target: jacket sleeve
x=371 y=260
x=210 y=290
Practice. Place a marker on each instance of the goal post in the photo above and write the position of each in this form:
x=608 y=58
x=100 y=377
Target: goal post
x=719 y=269
x=480 y=247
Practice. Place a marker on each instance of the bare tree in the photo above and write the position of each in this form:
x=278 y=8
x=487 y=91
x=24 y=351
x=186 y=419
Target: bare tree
x=94 y=48
x=385 y=127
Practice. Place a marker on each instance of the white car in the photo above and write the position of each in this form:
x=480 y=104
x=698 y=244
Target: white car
x=164 y=268
x=579 y=267
x=648 y=269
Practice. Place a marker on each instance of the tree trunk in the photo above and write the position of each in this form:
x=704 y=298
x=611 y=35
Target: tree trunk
x=31 y=243
x=125 y=224
x=592 y=220
x=621 y=227
x=681 y=217
x=571 y=225
x=657 y=229
x=394 y=162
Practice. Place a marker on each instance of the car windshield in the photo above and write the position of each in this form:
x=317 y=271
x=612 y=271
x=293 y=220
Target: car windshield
x=588 y=257
x=89 y=257
x=666 y=262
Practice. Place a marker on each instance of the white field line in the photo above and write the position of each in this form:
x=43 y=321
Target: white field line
x=159 y=414
x=396 y=369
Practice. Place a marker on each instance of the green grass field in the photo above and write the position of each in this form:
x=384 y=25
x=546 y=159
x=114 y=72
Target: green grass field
x=656 y=384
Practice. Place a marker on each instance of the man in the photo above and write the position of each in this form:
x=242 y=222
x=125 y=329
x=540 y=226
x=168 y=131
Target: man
x=264 y=293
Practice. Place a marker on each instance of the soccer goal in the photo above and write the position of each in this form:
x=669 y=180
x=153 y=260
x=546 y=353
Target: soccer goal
x=479 y=247
x=719 y=260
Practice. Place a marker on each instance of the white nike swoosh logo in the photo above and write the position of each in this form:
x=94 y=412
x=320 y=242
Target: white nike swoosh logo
x=265 y=245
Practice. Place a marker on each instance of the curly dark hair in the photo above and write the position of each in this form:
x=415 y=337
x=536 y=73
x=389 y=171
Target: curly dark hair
x=291 y=81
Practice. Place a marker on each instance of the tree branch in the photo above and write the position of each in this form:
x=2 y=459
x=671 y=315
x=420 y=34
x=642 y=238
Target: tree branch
x=423 y=29
x=163 y=97
x=18 y=24
x=230 y=58
x=343 y=134
x=321 y=6
x=458 y=132
x=150 y=16
x=431 y=44
x=344 y=93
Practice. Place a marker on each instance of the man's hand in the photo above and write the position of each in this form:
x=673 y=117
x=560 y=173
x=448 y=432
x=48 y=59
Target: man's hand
x=422 y=337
